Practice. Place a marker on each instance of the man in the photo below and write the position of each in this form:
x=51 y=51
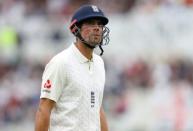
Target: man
x=73 y=81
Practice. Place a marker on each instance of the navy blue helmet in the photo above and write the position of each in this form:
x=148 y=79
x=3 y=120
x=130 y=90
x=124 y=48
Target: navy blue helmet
x=86 y=12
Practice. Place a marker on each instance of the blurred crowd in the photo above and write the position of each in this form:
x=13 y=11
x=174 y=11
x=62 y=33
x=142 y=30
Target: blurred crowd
x=151 y=96
x=147 y=89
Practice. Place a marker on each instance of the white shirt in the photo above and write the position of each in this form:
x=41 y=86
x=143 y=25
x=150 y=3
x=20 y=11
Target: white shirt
x=76 y=84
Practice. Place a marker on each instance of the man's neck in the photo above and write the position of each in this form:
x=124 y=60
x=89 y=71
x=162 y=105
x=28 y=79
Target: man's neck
x=86 y=51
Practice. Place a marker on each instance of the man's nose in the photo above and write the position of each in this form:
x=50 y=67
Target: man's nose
x=97 y=27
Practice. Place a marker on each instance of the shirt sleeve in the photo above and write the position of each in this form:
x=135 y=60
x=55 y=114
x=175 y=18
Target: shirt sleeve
x=53 y=80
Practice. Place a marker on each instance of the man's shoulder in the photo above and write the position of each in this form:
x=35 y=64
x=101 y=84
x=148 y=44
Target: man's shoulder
x=62 y=55
x=61 y=58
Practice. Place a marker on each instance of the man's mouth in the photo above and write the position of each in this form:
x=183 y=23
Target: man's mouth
x=97 y=35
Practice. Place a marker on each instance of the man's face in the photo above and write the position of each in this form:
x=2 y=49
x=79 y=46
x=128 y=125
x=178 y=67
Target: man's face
x=91 y=31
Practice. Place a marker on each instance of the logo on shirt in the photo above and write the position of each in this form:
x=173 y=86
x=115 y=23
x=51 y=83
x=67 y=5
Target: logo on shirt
x=48 y=84
x=92 y=93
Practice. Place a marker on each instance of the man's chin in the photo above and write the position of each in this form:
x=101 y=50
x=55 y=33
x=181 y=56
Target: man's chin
x=94 y=44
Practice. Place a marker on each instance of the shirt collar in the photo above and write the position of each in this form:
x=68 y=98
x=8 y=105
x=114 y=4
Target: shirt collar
x=79 y=55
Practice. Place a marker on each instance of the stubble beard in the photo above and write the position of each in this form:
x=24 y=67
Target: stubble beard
x=94 y=40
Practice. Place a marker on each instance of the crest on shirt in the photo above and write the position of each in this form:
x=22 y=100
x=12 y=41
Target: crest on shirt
x=48 y=84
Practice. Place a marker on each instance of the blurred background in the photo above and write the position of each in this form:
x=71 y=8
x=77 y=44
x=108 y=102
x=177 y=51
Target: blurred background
x=149 y=61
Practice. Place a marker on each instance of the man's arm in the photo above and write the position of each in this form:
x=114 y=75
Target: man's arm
x=43 y=114
x=104 y=126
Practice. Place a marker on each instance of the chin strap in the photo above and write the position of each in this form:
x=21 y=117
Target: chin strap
x=84 y=42
x=102 y=51
x=92 y=47
x=89 y=46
